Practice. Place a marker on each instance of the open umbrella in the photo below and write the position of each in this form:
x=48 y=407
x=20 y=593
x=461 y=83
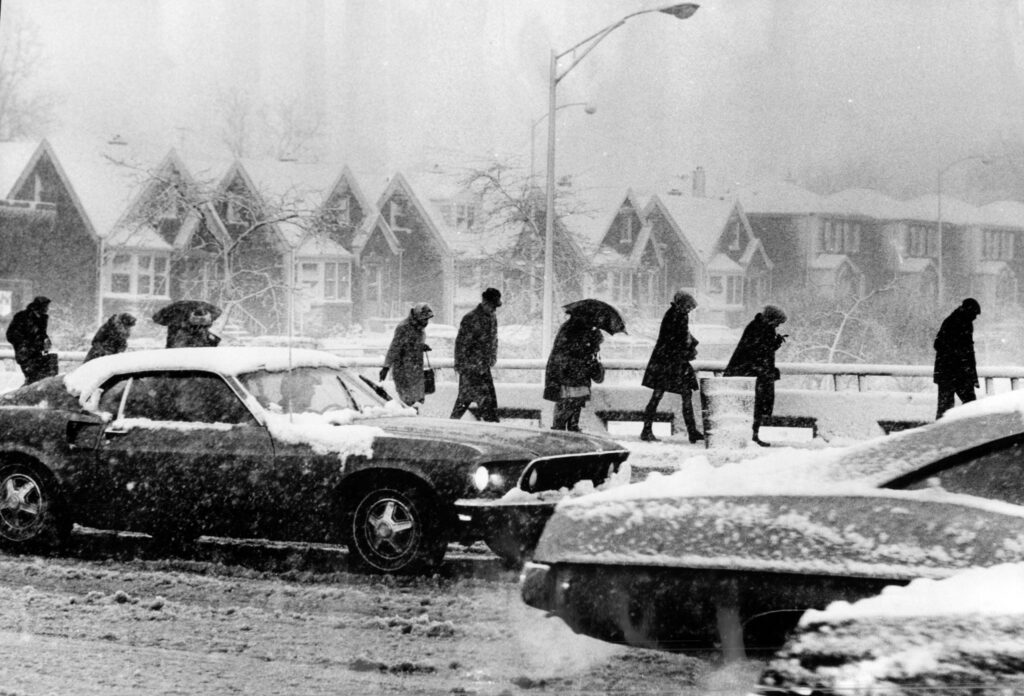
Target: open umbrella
x=597 y=313
x=178 y=312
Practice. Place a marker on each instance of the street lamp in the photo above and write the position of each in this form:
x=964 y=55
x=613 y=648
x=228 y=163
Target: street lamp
x=938 y=202
x=677 y=10
x=588 y=108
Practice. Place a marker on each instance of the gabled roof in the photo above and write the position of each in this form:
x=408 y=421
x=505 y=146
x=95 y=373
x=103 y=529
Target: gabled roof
x=14 y=158
x=305 y=243
x=594 y=211
x=699 y=221
x=427 y=211
x=373 y=221
x=831 y=262
x=723 y=264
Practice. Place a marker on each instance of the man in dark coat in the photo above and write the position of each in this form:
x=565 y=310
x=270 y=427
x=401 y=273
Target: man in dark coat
x=193 y=332
x=27 y=334
x=956 y=372
x=572 y=365
x=112 y=337
x=754 y=356
x=669 y=368
x=405 y=355
x=476 y=351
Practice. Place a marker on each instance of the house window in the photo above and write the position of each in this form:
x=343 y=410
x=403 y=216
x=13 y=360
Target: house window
x=734 y=237
x=138 y=274
x=851 y=237
x=627 y=229
x=716 y=285
x=622 y=286
x=342 y=212
x=923 y=241
x=465 y=216
x=998 y=245
x=734 y=290
x=840 y=237
x=326 y=281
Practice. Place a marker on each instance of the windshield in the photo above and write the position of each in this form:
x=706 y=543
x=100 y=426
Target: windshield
x=310 y=389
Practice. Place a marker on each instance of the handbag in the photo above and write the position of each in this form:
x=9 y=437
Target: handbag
x=597 y=370
x=429 y=383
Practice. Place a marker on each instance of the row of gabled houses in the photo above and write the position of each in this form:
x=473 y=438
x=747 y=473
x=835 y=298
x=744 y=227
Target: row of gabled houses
x=303 y=248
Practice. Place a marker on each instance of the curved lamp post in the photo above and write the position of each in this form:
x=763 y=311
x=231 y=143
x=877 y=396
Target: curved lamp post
x=588 y=108
x=938 y=202
x=679 y=11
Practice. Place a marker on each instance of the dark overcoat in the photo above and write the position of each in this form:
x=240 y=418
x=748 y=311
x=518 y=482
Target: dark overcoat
x=954 y=351
x=574 y=358
x=191 y=336
x=27 y=334
x=405 y=360
x=476 y=344
x=754 y=355
x=669 y=368
x=111 y=338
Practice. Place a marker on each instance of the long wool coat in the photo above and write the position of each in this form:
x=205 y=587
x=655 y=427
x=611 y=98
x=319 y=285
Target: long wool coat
x=405 y=360
x=476 y=344
x=110 y=338
x=754 y=355
x=954 y=351
x=27 y=334
x=669 y=368
x=573 y=361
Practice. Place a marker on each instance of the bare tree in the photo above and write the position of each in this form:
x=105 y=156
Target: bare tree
x=291 y=131
x=24 y=111
x=236 y=114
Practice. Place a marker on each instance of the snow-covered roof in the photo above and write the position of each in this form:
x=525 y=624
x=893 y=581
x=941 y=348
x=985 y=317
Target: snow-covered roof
x=86 y=378
x=1003 y=214
x=723 y=264
x=14 y=157
x=773 y=197
x=138 y=237
x=864 y=202
x=954 y=211
x=915 y=264
x=829 y=262
x=700 y=221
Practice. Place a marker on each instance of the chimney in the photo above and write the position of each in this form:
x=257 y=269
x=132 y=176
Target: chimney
x=699 y=189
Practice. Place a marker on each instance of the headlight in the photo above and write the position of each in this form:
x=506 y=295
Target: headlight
x=481 y=477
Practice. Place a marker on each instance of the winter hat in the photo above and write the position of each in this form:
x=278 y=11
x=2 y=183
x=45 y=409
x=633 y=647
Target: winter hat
x=972 y=305
x=684 y=299
x=126 y=319
x=40 y=301
x=421 y=310
x=773 y=314
x=492 y=295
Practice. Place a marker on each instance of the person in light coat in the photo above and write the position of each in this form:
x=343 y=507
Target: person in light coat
x=404 y=358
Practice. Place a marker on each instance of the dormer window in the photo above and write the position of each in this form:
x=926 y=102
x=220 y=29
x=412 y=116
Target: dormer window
x=734 y=237
x=394 y=210
x=627 y=230
x=465 y=216
x=343 y=212
x=37 y=189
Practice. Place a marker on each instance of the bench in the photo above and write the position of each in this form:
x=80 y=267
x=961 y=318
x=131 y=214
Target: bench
x=628 y=415
x=792 y=422
x=894 y=426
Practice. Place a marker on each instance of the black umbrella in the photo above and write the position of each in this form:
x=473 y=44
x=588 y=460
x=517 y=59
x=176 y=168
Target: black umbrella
x=178 y=312
x=597 y=313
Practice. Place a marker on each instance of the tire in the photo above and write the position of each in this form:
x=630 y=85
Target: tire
x=392 y=531
x=31 y=514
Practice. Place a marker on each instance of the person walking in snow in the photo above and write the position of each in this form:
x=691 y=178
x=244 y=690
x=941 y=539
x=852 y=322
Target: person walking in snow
x=956 y=371
x=27 y=333
x=404 y=358
x=572 y=365
x=754 y=356
x=112 y=337
x=669 y=369
x=476 y=351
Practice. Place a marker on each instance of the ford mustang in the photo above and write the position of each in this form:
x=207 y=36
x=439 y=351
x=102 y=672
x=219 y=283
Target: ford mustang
x=265 y=443
x=730 y=557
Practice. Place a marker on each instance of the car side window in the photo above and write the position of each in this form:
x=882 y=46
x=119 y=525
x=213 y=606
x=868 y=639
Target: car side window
x=111 y=394
x=995 y=474
x=193 y=397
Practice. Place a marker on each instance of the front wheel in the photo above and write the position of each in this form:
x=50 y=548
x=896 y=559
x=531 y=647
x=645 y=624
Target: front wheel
x=392 y=532
x=30 y=514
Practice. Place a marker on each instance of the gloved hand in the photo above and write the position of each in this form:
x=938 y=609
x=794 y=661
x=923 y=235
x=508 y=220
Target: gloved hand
x=383 y=373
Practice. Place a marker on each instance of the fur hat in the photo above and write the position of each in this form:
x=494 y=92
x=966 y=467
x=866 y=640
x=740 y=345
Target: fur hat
x=773 y=314
x=492 y=295
x=684 y=299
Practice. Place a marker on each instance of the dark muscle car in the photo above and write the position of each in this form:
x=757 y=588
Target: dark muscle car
x=732 y=560
x=266 y=443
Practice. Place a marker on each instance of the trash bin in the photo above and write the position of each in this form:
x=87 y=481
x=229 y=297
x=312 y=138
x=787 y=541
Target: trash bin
x=727 y=405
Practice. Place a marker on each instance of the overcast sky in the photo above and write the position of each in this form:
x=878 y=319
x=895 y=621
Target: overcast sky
x=746 y=88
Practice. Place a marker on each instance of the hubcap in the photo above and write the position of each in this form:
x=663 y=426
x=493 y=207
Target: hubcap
x=21 y=507
x=391 y=528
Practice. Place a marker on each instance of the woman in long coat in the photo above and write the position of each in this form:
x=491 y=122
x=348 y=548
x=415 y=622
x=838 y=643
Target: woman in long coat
x=669 y=369
x=571 y=367
x=754 y=356
x=112 y=337
x=405 y=355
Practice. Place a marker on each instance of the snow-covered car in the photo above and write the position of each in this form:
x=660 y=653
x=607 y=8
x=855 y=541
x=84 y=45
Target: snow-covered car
x=960 y=635
x=273 y=443
x=731 y=556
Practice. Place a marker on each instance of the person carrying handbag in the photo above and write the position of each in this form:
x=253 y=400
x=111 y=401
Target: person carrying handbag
x=405 y=356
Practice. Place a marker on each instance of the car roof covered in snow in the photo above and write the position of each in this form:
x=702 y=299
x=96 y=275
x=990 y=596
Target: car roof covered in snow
x=224 y=360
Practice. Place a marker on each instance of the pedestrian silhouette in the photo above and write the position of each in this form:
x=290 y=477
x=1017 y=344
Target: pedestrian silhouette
x=956 y=371
x=572 y=365
x=404 y=358
x=27 y=333
x=112 y=337
x=476 y=351
x=669 y=368
x=754 y=356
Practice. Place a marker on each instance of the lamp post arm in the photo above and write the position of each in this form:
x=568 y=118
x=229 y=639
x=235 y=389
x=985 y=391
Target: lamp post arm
x=594 y=40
